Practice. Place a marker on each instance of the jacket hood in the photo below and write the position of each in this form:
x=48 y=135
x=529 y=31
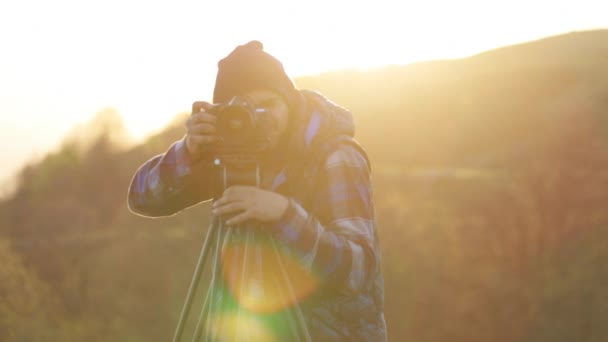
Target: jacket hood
x=316 y=127
x=319 y=120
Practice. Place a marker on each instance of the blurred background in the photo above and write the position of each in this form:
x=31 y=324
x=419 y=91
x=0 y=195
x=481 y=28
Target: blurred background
x=486 y=124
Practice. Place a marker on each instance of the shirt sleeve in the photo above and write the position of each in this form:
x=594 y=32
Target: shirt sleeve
x=169 y=183
x=342 y=250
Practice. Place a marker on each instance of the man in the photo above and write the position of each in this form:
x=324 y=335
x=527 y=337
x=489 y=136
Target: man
x=314 y=196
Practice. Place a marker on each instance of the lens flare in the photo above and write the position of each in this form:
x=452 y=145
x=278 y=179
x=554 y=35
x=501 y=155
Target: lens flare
x=238 y=327
x=262 y=279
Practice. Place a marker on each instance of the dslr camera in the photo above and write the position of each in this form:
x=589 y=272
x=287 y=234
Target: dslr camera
x=243 y=128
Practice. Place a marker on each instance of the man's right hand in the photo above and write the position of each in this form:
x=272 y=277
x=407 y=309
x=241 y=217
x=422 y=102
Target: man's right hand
x=201 y=132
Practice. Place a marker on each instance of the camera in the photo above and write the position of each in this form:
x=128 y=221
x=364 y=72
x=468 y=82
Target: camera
x=242 y=126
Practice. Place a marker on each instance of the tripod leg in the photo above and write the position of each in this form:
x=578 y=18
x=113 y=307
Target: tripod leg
x=209 y=298
x=194 y=282
x=303 y=329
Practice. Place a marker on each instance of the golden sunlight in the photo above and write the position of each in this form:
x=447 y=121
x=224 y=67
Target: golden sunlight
x=486 y=124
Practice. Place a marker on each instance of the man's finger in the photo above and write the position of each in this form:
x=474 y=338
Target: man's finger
x=203 y=128
x=240 y=218
x=229 y=207
x=231 y=191
x=202 y=117
x=234 y=193
x=227 y=197
x=200 y=106
x=239 y=189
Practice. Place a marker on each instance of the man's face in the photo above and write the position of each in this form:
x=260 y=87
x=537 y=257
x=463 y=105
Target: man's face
x=277 y=107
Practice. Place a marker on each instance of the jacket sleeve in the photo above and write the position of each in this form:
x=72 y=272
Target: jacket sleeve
x=169 y=183
x=343 y=250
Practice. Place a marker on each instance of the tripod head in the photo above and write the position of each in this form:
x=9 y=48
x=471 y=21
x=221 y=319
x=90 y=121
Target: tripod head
x=236 y=170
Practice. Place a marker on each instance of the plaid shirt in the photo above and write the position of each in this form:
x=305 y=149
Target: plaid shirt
x=337 y=239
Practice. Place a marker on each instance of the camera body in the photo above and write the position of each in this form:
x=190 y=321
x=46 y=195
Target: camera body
x=243 y=128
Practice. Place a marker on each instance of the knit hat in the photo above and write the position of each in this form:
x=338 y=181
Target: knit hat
x=248 y=67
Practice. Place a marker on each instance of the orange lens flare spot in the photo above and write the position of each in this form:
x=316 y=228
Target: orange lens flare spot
x=264 y=281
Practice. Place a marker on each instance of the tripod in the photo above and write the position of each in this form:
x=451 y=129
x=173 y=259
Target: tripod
x=246 y=264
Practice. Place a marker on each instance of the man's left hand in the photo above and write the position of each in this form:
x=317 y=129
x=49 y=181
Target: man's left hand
x=250 y=203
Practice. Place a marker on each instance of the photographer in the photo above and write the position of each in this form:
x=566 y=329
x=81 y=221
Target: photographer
x=314 y=194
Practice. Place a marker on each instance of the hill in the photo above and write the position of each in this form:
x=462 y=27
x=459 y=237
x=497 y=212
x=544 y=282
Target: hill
x=481 y=110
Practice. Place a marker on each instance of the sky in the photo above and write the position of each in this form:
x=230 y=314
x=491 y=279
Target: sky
x=62 y=61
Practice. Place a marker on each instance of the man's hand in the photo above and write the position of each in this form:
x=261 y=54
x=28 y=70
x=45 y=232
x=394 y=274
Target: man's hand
x=201 y=131
x=250 y=203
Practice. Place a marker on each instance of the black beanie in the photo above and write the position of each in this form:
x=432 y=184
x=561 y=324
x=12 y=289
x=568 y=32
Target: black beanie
x=248 y=67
